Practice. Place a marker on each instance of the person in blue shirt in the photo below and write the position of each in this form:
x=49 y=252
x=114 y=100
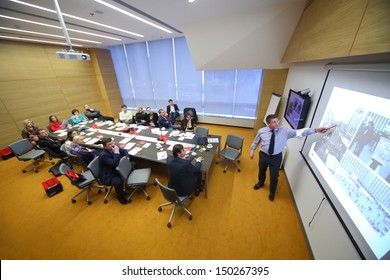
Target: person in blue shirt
x=271 y=155
x=164 y=121
x=76 y=117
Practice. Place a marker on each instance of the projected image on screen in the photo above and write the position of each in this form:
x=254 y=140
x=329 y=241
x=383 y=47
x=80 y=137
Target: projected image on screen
x=354 y=159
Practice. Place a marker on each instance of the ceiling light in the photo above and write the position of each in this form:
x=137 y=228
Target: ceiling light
x=47 y=34
x=133 y=16
x=78 y=18
x=38 y=41
x=191 y=1
x=58 y=27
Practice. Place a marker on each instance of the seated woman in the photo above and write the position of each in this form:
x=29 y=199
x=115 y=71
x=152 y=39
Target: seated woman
x=69 y=141
x=77 y=117
x=140 y=117
x=54 y=123
x=30 y=131
x=188 y=123
x=86 y=154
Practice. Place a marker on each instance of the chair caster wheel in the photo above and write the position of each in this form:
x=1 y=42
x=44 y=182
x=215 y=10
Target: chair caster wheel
x=99 y=191
x=190 y=217
x=23 y=171
x=216 y=163
x=239 y=170
x=224 y=171
x=159 y=209
x=105 y=201
x=36 y=171
x=73 y=200
x=148 y=198
x=89 y=202
x=169 y=225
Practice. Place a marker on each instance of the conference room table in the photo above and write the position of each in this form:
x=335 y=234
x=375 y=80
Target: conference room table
x=151 y=143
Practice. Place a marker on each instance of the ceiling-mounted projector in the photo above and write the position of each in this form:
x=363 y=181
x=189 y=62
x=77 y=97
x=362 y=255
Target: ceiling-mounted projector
x=73 y=55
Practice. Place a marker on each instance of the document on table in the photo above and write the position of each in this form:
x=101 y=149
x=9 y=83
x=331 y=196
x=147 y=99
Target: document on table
x=146 y=145
x=213 y=140
x=92 y=141
x=155 y=130
x=162 y=155
x=135 y=150
x=124 y=140
x=129 y=146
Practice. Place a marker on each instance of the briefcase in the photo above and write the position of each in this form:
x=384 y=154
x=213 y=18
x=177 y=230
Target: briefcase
x=52 y=186
x=6 y=153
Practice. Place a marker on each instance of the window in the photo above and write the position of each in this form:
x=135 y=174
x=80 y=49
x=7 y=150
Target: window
x=150 y=73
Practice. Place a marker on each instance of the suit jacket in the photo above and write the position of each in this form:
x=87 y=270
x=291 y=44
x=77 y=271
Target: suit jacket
x=163 y=122
x=108 y=161
x=169 y=108
x=154 y=119
x=183 y=176
x=53 y=144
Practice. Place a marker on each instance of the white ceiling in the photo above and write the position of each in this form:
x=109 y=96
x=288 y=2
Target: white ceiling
x=240 y=23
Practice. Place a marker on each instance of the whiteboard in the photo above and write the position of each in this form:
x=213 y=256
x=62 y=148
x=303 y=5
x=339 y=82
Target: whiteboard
x=273 y=105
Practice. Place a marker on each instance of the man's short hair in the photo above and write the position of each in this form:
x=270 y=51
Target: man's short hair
x=177 y=150
x=170 y=100
x=39 y=131
x=160 y=111
x=124 y=106
x=106 y=140
x=270 y=117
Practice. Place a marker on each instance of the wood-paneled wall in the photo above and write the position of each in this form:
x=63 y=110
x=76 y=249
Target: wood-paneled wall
x=273 y=81
x=35 y=84
x=333 y=28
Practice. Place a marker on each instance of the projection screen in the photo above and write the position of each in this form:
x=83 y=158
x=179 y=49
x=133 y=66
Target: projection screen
x=351 y=161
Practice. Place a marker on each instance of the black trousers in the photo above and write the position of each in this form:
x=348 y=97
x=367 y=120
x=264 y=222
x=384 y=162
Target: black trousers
x=273 y=162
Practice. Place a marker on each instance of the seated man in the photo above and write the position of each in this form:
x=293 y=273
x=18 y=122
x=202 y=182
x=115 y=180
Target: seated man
x=173 y=111
x=183 y=176
x=91 y=114
x=152 y=117
x=46 y=141
x=86 y=154
x=125 y=116
x=164 y=122
x=108 y=161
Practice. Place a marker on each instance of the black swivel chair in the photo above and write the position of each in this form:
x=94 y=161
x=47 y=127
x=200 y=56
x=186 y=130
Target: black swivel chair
x=192 y=112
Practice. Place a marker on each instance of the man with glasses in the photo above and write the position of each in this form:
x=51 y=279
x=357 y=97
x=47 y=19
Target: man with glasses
x=272 y=140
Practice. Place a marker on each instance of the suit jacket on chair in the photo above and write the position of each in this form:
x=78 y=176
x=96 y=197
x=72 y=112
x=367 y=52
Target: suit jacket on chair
x=183 y=176
x=108 y=161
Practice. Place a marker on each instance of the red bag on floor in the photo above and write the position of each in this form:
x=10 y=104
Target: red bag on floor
x=52 y=186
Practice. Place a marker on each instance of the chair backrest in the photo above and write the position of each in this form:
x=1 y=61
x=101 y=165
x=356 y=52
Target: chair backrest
x=21 y=147
x=202 y=131
x=49 y=129
x=234 y=141
x=124 y=167
x=192 y=112
x=169 y=194
x=93 y=166
x=63 y=148
x=63 y=168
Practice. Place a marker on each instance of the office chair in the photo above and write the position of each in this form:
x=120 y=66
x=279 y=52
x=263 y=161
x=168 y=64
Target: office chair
x=49 y=129
x=173 y=199
x=232 y=151
x=84 y=185
x=93 y=166
x=201 y=131
x=192 y=112
x=52 y=154
x=133 y=178
x=25 y=151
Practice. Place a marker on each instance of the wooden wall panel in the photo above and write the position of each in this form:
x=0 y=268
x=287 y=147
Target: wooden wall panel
x=34 y=84
x=24 y=61
x=273 y=81
x=327 y=29
x=374 y=32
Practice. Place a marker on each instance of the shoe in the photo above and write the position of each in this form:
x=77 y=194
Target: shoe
x=123 y=200
x=271 y=197
x=258 y=186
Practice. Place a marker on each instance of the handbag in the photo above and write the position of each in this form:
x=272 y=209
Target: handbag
x=75 y=176
x=201 y=140
x=52 y=186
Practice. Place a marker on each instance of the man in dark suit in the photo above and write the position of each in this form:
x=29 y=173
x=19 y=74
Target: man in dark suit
x=108 y=161
x=46 y=141
x=183 y=176
x=152 y=119
x=172 y=111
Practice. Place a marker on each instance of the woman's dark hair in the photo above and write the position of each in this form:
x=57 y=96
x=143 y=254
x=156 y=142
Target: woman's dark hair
x=177 y=149
x=70 y=137
x=53 y=116
x=75 y=110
